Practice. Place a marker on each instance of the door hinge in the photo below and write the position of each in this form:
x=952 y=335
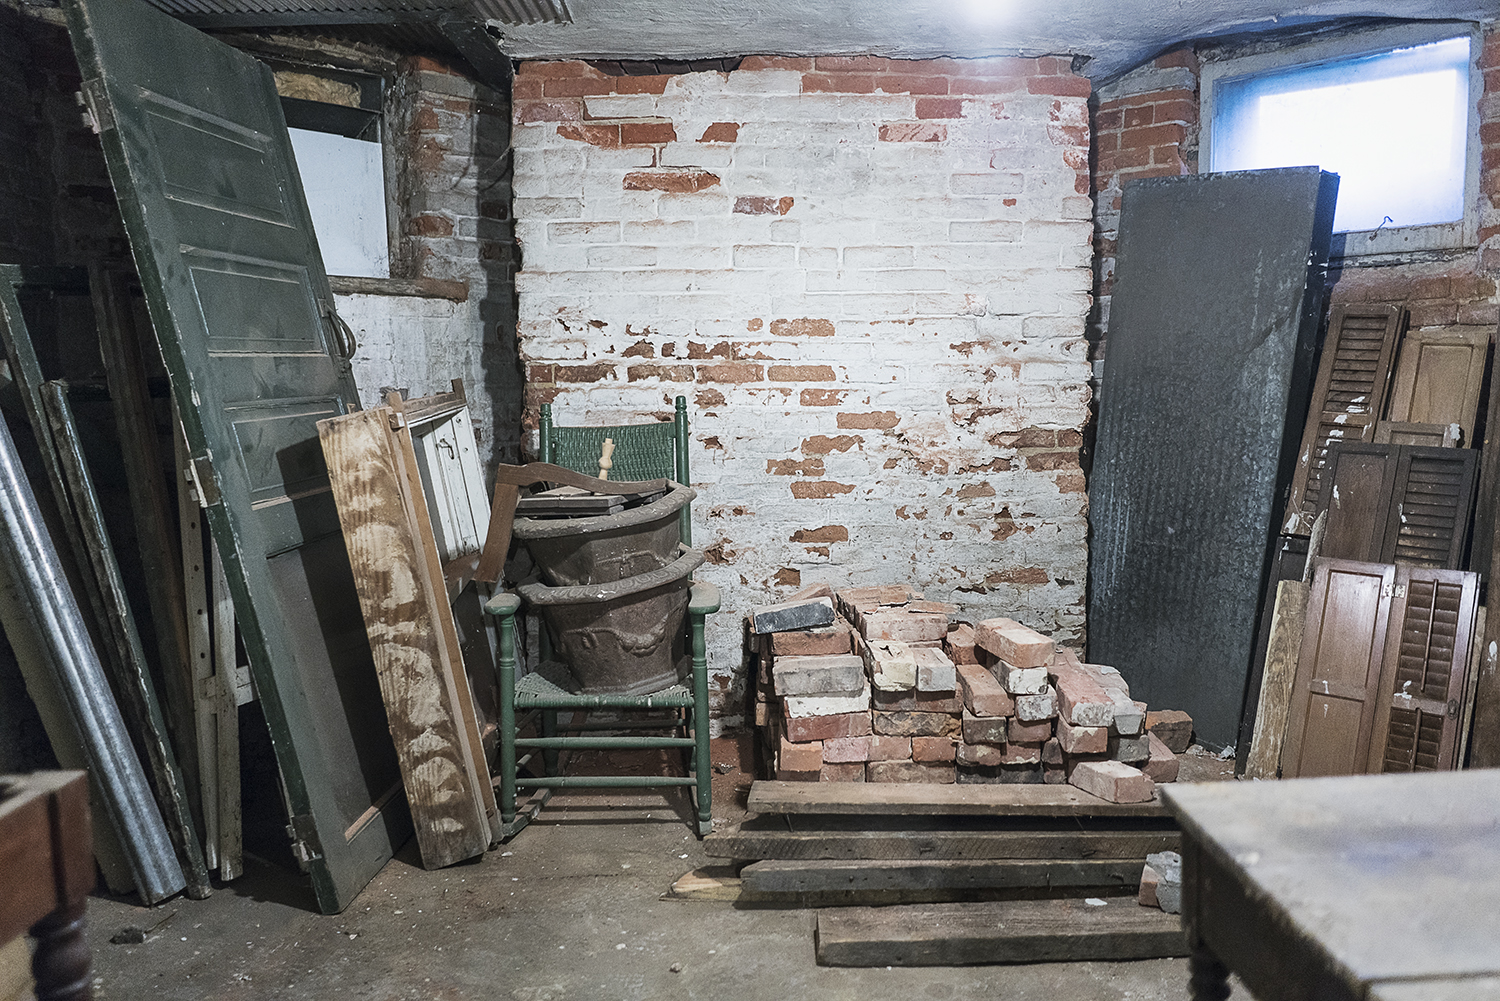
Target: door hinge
x=306 y=845
x=1393 y=591
x=204 y=482
x=98 y=115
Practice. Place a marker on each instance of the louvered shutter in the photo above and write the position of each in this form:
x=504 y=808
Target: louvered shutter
x=1334 y=698
x=1348 y=397
x=1438 y=377
x=1433 y=496
x=1424 y=671
x=1357 y=487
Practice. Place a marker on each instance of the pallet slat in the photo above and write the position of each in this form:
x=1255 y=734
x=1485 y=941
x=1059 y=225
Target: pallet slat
x=905 y=799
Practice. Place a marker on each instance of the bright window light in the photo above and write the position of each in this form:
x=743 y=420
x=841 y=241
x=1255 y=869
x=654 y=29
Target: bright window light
x=1392 y=125
x=345 y=187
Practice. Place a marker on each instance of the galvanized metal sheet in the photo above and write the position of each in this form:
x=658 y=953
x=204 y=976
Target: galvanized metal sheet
x=1218 y=294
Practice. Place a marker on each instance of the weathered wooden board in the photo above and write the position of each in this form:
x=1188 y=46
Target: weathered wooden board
x=1287 y=627
x=712 y=882
x=1025 y=844
x=1218 y=294
x=402 y=607
x=1011 y=931
x=815 y=876
x=924 y=798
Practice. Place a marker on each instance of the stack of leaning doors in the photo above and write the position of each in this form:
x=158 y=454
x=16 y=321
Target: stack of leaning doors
x=1385 y=674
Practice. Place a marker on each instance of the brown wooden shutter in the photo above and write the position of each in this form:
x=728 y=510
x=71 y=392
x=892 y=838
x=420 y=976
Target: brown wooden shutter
x=1406 y=433
x=1438 y=377
x=1334 y=698
x=1424 y=672
x=1357 y=485
x=1348 y=397
x=1433 y=496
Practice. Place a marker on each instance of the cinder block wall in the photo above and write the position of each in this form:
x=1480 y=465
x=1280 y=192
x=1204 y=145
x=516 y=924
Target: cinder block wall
x=869 y=277
x=1146 y=124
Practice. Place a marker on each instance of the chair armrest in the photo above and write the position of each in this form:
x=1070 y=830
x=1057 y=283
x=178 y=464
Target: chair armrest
x=502 y=604
x=703 y=598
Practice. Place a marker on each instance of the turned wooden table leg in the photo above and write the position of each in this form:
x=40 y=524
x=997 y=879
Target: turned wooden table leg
x=61 y=962
x=1209 y=979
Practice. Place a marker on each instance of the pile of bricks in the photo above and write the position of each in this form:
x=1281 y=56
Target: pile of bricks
x=875 y=684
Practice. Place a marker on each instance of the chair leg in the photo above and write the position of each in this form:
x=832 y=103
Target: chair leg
x=699 y=721
x=507 y=673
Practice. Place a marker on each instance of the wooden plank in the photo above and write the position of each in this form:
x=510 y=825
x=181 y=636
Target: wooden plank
x=1471 y=684
x=848 y=875
x=150 y=504
x=936 y=845
x=924 y=798
x=426 y=288
x=1011 y=931
x=199 y=623
x=223 y=696
x=1287 y=627
x=402 y=605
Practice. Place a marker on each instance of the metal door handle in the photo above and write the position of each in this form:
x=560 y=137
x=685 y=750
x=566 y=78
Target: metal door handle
x=344 y=339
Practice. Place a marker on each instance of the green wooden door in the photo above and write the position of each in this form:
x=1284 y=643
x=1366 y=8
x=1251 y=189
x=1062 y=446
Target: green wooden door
x=201 y=163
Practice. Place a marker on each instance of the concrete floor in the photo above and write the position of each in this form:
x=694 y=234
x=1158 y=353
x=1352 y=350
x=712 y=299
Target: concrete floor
x=569 y=909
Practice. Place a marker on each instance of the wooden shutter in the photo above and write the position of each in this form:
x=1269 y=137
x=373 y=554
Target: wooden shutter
x=1438 y=377
x=1357 y=484
x=1407 y=433
x=1334 y=697
x=1348 y=397
x=1424 y=671
x=1433 y=496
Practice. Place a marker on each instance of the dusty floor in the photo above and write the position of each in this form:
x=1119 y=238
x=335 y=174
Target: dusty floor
x=569 y=909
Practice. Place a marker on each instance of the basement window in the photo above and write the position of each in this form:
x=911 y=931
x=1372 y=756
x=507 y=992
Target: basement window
x=334 y=122
x=1394 y=119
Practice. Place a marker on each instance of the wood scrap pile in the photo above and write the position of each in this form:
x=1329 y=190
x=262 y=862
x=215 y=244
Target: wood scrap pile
x=876 y=684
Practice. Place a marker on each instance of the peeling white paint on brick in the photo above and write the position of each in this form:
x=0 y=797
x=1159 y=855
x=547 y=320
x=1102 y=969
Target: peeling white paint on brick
x=877 y=338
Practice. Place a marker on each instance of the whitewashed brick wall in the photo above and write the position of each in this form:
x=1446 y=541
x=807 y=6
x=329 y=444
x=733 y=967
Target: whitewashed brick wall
x=869 y=277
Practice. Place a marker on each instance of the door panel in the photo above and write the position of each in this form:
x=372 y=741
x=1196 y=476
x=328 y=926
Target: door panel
x=1438 y=377
x=1339 y=669
x=1350 y=393
x=200 y=160
x=1356 y=483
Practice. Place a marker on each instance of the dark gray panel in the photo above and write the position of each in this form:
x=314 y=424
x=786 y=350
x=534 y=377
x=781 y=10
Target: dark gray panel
x=1205 y=390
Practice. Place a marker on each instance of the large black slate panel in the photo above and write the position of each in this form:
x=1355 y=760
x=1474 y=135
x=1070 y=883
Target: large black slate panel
x=1208 y=365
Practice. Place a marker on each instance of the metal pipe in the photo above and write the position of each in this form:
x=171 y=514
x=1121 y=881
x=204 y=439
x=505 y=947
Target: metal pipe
x=41 y=619
x=605 y=743
x=606 y=781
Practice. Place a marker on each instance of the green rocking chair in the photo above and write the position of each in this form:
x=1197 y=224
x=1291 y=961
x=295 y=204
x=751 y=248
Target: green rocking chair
x=642 y=452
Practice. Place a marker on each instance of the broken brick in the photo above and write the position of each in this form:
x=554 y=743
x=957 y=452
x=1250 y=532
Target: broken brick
x=983 y=695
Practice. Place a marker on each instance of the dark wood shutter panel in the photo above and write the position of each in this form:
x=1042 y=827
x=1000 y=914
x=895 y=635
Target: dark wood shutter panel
x=1334 y=698
x=1433 y=496
x=1438 y=377
x=1406 y=433
x=1348 y=397
x=1424 y=674
x=1358 y=482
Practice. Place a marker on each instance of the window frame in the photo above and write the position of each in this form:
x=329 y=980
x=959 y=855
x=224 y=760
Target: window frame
x=1461 y=234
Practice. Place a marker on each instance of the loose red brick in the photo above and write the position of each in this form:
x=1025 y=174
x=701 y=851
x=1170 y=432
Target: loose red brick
x=1082 y=701
x=823 y=727
x=1082 y=739
x=904 y=626
x=982 y=694
x=1162 y=764
x=1016 y=644
x=1030 y=732
x=800 y=757
x=850 y=771
x=650 y=134
x=721 y=132
x=960 y=644
x=886 y=748
x=681 y=181
x=1146 y=895
x=909 y=771
x=1114 y=781
x=826 y=641
x=847 y=749
x=1172 y=727
x=986 y=755
x=932 y=749
x=915 y=724
x=914 y=701
x=1017 y=753
x=983 y=729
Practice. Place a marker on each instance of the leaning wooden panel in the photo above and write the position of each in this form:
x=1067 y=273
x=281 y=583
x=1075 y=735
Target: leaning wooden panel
x=1432 y=496
x=1338 y=670
x=1264 y=761
x=1348 y=397
x=1438 y=377
x=402 y=610
x=1425 y=667
x=1357 y=486
x=1406 y=433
